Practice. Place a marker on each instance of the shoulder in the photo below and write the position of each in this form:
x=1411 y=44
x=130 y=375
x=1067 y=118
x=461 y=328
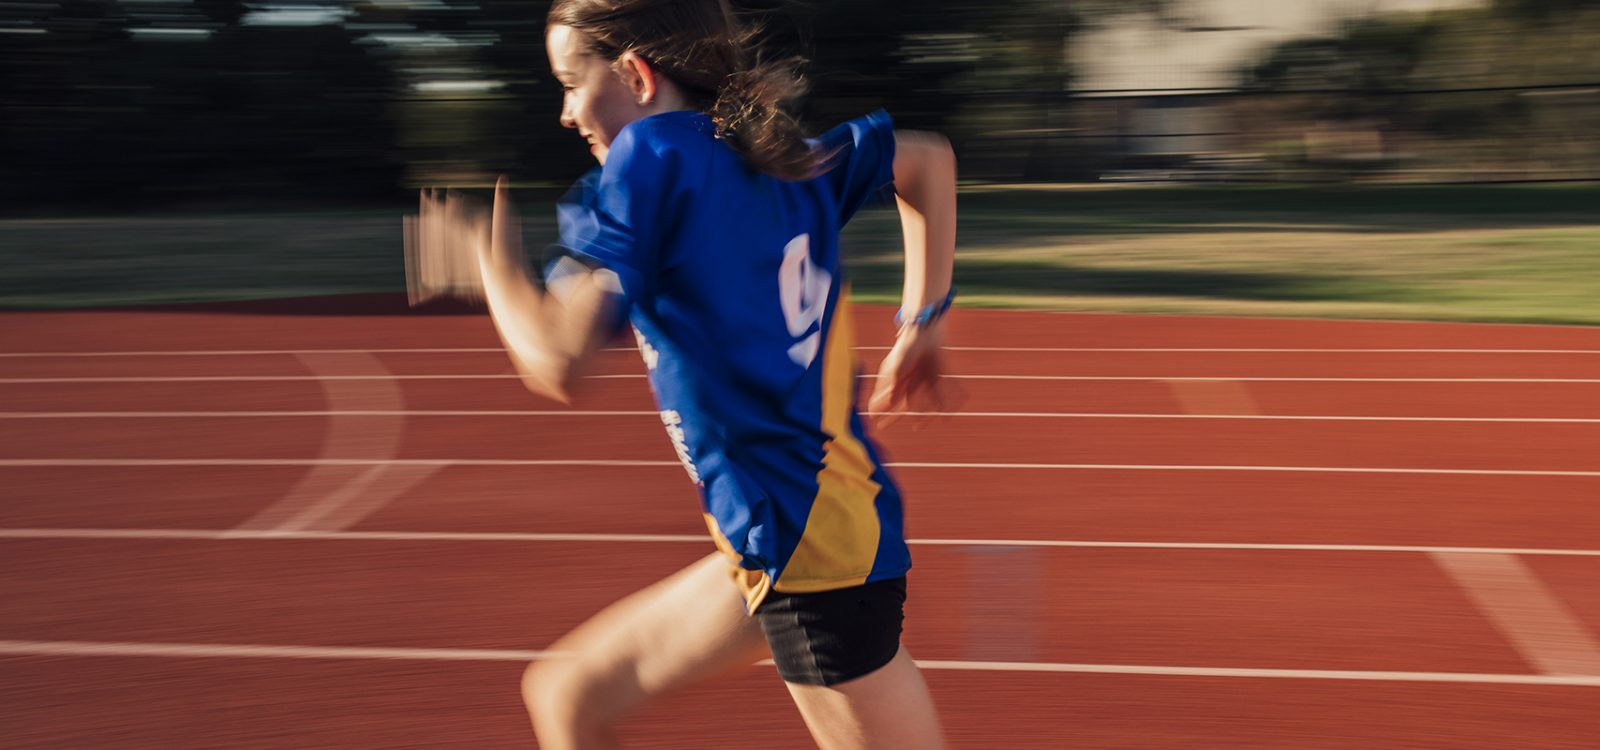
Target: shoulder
x=873 y=126
x=662 y=136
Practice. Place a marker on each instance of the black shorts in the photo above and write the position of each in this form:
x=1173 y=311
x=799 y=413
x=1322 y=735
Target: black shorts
x=829 y=637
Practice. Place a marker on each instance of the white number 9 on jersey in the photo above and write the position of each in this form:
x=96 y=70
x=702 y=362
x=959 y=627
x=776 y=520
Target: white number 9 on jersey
x=803 y=293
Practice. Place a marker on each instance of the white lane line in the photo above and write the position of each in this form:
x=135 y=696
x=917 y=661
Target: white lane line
x=644 y=413
x=1293 y=674
x=173 y=462
x=1120 y=378
x=531 y=537
x=1285 y=469
x=1039 y=349
x=277 y=378
x=864 y=376
x=348 y=536
x=248 y=378
x=208 y=650
x=328 y=413
x=333 y=496
x=1531 y=617
x=254 y=352
x=1242 y=350
x=213 y=650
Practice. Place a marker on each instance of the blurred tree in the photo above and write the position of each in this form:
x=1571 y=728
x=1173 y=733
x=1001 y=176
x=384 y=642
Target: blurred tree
x=1475 y=85
x=932 y=63
x=1370 y=59
x=969 y=68
x=1542 y=9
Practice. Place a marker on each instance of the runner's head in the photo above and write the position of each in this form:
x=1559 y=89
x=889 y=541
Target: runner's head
x=621 y=60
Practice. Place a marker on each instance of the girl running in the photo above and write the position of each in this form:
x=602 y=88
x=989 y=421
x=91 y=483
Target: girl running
x=712 y=227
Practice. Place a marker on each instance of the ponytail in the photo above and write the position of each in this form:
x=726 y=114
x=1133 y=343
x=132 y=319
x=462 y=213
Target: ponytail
x=751 y=116
x=700 y=46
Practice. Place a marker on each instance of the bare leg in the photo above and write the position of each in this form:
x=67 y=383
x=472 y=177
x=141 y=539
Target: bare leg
x=688 y=627
x=889 y=708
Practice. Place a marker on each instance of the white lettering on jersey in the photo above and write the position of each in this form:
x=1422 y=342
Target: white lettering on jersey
x=648 y=352
x=680 y=445
x=803 y=294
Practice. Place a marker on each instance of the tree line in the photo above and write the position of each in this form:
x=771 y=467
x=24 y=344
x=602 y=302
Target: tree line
x=168 y=102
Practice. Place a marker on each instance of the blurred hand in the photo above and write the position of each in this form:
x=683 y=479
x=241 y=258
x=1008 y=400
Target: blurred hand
x=443 y=244
x=911 y=375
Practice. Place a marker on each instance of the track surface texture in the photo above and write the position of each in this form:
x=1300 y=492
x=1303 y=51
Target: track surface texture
x=329 y=524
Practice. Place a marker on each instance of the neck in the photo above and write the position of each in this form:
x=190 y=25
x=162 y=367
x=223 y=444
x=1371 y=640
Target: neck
x=668 y=98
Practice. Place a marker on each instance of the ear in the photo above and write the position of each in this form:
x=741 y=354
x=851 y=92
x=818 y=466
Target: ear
x=640 y=77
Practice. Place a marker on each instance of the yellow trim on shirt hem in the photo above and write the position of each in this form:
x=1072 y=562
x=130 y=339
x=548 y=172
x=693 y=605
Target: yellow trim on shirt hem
x=809 y=586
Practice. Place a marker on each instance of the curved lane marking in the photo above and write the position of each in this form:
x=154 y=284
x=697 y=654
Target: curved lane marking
x=335 y=496
x=1542 y=629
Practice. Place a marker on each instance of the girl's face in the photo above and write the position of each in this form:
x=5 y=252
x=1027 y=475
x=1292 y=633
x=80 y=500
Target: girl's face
x=598 y=101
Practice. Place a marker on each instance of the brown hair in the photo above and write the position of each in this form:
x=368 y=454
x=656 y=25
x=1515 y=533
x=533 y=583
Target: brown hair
x=700 y=46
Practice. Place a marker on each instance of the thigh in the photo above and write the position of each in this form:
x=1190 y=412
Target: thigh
x=830 y=637
x=687 y=627
x=888 y=708
x=839 y=654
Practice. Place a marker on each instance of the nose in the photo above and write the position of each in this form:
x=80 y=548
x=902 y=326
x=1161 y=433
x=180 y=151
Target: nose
x=567 y=120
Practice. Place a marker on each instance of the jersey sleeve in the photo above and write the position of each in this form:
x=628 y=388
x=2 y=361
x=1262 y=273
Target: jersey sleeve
x=611 y=218
x=860 y=161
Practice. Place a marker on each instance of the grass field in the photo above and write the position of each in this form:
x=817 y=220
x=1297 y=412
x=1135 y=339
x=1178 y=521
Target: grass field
x=1487 y=253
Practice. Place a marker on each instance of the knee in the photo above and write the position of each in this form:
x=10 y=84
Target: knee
x=562 y=700
x=547 y=692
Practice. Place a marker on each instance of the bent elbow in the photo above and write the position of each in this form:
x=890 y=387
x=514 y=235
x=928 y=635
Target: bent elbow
x=557 y=392
x=550 y=379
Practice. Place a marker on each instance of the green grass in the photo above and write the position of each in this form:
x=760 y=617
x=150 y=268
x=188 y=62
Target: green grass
x=1505 y=253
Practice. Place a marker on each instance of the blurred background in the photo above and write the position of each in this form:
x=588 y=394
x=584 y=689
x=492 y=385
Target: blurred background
x=217 y=108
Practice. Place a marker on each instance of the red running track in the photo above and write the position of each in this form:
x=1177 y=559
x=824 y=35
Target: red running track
x=1388 y=545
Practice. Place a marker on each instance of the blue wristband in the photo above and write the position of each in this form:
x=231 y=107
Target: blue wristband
x=928 y=313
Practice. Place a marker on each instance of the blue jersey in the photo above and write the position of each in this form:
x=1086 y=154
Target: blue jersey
x=733 y=285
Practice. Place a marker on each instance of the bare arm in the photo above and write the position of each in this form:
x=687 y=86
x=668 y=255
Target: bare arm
x=549 y=335
x=925 y=181
x=925 y=186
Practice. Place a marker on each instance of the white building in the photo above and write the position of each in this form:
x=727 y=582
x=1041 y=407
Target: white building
x=1202 y=50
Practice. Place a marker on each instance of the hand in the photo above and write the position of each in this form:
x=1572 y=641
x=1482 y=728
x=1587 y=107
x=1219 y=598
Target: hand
x=911 y=372
x=443 y=243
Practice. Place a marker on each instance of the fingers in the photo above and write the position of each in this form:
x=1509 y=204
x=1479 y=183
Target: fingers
x=886 y=402
x=446 y=247
x=912 y=373
x=886 y=416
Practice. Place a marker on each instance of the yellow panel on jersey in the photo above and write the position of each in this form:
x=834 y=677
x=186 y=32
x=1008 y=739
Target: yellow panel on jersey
x=753 y=584
x=840 y=541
